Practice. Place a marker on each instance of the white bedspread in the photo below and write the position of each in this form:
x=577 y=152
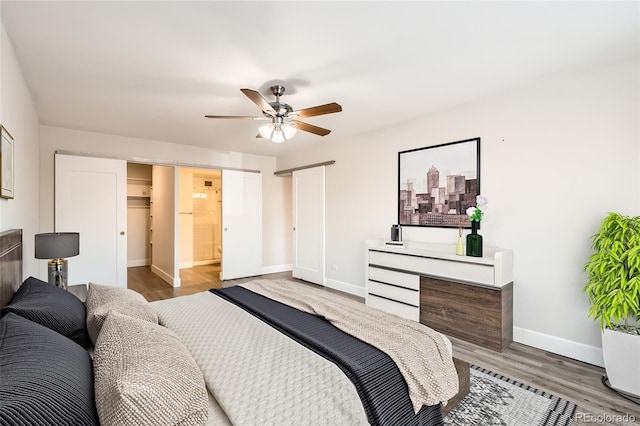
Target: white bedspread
x=258 y=375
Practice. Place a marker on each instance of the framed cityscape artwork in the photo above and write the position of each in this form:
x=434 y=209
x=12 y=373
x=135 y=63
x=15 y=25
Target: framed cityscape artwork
x=436 y=184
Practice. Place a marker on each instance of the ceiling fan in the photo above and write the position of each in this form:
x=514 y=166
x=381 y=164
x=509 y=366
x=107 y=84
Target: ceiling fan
x=282 y=119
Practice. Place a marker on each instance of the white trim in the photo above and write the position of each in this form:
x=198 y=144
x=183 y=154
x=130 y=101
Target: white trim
x=273 y=269
x=560 y=346
x=158 y=162
x=345 y=287
x=166 y=277
x=141 y=262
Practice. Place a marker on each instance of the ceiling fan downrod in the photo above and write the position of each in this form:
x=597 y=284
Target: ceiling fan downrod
x=281 y=109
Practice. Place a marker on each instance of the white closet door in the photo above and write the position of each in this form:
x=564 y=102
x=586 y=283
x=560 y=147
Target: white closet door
x=309 y=225
x=241 y=224
x=91 y=198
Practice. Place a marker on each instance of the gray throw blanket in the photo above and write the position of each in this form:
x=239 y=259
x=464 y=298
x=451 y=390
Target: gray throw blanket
x=419 y=352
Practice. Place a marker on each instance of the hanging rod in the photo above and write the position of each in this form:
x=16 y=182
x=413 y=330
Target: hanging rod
x=288 y=172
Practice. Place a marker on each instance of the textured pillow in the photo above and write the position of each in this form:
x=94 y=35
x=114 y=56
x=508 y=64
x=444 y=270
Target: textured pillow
x=144 y=375
x=46 y=378
x=52 y=307
x=103 y=298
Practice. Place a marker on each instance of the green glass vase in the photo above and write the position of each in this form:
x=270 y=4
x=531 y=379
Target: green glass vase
x=474 y=241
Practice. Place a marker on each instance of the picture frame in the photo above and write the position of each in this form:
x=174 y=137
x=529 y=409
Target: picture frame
x=6 y=163
x=436 y=184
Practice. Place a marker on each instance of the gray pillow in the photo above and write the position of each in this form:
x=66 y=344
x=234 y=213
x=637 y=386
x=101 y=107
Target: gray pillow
x=45 y=378
x=51 y=306
x=104 y=298
x=144 y=375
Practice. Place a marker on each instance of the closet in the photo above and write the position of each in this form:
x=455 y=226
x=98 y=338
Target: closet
x=139 y=180
x=129 y=215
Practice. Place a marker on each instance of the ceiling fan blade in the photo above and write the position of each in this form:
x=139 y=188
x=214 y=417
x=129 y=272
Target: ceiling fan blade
x=257 y=99
x=318 y=110
x=311 y=128
x=239 y=117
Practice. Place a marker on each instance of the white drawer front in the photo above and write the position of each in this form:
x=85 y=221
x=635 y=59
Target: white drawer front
x=411 y=297
x=393 y=277
x=462 y=271
x=405 y=311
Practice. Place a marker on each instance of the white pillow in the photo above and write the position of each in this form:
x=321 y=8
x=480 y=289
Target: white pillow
x=104 y=298
x=144 y=375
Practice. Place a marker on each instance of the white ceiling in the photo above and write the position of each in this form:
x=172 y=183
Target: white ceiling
x=153 y=69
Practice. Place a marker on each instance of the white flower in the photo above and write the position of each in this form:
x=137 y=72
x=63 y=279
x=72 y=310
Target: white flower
x=481 y=202
x=471 y=211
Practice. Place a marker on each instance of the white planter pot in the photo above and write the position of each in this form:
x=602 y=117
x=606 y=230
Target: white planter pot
x=621 y=353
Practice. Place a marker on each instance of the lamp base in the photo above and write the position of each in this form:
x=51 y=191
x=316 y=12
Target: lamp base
x=57 y=271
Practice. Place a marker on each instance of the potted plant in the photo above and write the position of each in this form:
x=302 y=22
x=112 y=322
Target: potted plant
x=614 y=292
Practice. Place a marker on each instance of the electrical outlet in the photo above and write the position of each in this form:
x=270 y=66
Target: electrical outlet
x=334 y=267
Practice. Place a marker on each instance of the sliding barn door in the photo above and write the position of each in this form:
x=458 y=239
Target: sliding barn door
x=309 y=225
x=241 y=224
x=91 y=198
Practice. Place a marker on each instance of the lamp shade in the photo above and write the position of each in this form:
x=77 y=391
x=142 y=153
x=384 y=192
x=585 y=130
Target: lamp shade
x=57 y=245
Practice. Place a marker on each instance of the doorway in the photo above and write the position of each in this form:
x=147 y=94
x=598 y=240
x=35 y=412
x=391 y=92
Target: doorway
x=200 y=221
x=139 y=184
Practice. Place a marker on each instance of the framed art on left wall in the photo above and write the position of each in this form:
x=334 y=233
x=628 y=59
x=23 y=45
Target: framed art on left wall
x=6 y=163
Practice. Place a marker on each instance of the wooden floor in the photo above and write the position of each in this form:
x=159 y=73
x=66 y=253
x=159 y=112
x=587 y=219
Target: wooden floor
x=560 y=376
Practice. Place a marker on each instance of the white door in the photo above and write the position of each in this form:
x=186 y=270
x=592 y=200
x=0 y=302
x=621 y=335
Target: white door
x=91 y=198
x=309 y=224
x=241 y=224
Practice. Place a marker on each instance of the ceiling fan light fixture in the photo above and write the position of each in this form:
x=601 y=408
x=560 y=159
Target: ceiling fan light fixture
x=289 y=131
x=278 y=135
x=266 y=130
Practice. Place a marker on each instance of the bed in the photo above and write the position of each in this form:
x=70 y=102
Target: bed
x=251 y=354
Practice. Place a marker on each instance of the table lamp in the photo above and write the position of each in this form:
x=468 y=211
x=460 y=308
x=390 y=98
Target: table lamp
x=56 y=246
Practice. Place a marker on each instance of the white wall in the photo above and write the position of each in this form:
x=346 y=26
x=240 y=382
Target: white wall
x=164 y=260
x=18 y=115
x=276 y=229
x=556 y=156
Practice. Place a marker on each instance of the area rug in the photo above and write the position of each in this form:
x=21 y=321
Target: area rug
x=497 y=400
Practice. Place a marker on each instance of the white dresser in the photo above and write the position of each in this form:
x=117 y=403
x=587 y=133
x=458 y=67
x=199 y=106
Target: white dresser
x=461 y=296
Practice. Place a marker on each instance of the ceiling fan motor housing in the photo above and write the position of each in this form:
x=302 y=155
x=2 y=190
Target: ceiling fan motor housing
x=281 y=109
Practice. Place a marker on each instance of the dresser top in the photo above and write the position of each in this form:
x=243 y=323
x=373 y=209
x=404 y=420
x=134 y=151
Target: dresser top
x=437 y=251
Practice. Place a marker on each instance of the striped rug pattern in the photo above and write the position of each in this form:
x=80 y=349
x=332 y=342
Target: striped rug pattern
x=498 y=400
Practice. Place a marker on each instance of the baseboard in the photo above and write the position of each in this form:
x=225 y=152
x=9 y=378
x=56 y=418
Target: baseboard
x=273 y=269
x=186 y=264
x=345 y=287
x=560 y=346
x=166 y=277
x=135 y=263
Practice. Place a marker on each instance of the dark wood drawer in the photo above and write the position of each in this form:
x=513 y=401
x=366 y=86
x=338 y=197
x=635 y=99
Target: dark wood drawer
x=477 y=314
